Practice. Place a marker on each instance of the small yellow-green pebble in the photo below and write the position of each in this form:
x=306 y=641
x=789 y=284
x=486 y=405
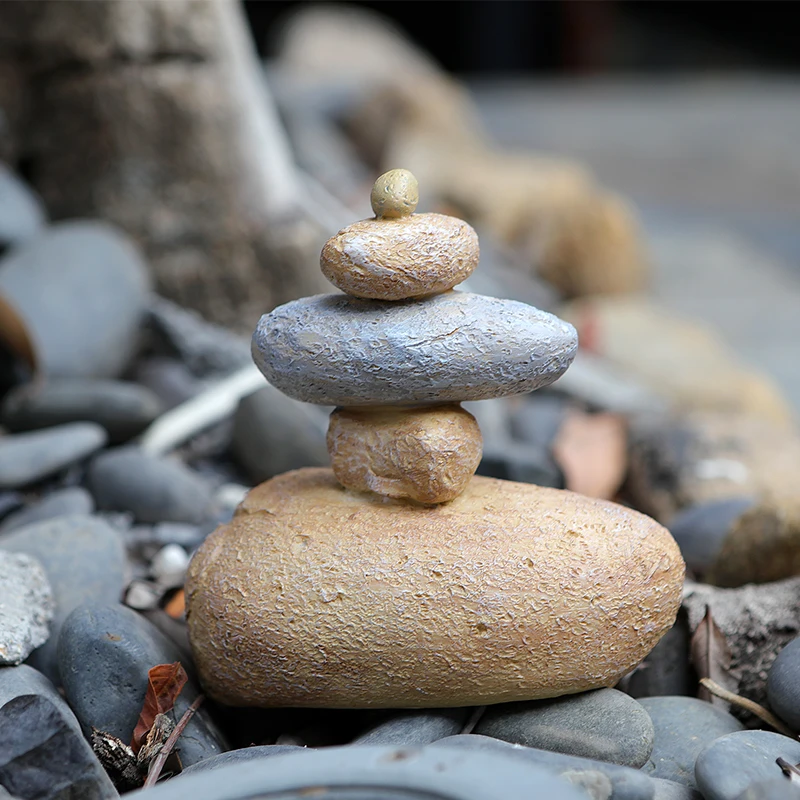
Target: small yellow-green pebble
x=395 y=194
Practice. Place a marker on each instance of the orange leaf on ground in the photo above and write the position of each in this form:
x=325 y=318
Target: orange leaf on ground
x=164 y=684
x=591 y=450
x=176 y=606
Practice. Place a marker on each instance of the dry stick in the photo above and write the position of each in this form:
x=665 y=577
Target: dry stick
x=749 y=705
x=789 y=770
x=474 y=719
x=157 y=765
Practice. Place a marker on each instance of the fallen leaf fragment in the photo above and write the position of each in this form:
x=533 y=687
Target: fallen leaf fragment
x=711 y=658
x=164 y=684
x=176 y=607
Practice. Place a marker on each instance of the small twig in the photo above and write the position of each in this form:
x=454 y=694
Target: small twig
x=158 y=762
x=748 y=705
x=474 y=719
x=791 y=771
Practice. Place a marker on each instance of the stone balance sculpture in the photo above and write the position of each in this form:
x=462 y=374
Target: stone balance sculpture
x=397 y=579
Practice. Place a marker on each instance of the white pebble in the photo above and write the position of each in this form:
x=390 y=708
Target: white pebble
x=142 y=596
x=169 y=565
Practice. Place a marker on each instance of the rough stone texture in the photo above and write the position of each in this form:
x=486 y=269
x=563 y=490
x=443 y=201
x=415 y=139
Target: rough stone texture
x=732 y=763
x=757 y=622
x=26 y=607
x=427 y=455
x=123 y=409
x=394 y=194
x=60 y=503
x=84 y=559
x=42 y=751
x=29 y=457
x=153 y=489
x=523 y=588
x=23 y=214
x=683 y=727
x=104 y=654
x=416 y=728
x=396 y=259
x=160 y=123
x=605 y=725
x=783 y=685
x=342 y=351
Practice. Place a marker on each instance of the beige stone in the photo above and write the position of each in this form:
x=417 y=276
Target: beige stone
x=395 y=194
x=317 y=596
x=422 y=454
x=396 y=259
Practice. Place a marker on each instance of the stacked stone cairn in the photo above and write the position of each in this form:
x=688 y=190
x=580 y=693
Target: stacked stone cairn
x=398 y=579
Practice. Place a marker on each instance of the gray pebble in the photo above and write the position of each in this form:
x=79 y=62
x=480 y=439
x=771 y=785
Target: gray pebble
x=169 y=379
x=683 y=727
x=104 y=654
x=44 y=755
x=26 y=607
x=783 y=685
x=123 y=409
x=670 y=790
x=605 y=724
x=153 y=489
x=701 y=531
x=776 y=789
x=343 y=351
x=415 y=728
x=628 y=783
x=29 y=457
x=22 y=213
x=596 y=785
x=273 y=434
x=60 y=503
x=734 y=763
x=240 y=756
x=84 y=559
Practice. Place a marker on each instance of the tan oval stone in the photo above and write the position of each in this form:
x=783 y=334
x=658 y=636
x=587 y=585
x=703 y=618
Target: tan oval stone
x=395 y=194
x=395 y=259
x=422 y=454
x=317 y=596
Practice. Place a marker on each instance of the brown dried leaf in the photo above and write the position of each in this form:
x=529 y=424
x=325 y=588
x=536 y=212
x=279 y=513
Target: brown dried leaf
x=591 y=450
x=711 y=658
x=165 y=682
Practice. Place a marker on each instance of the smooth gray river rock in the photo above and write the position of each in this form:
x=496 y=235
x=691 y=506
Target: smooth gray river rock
x=342 y=351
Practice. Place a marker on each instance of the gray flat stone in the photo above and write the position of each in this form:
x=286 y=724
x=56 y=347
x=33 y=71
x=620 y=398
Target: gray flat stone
x=683 y=727
x=29 y=457
x=734 y=763
x=783 y=684
x=240 y=756
x=60 y=503
x=22 y=213
x=628 y=783
x=26 y=607
x=124 y=409
x=670 y=790
x=42 y=751
x=415 y=728
x=153 y=489
x=84 y=559
x=605 y=724
x=776 y=789
x=104 y=654
x=343 y=351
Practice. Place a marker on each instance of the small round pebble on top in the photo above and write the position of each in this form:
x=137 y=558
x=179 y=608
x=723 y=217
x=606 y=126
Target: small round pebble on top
x=395 y=194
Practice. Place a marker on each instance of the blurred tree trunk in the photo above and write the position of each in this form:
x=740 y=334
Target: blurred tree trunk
x=154 y=115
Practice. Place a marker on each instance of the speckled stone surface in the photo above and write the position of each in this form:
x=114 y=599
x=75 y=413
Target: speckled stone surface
x=344 y=351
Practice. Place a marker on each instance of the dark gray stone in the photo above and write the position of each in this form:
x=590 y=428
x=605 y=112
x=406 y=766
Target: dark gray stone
x=9 y=503
x=104 y=654
x=734 y=763
x=22 y=213
x=84 y=559
x=29 y=457
x=701 y=531
x=344 y=351
x=666 y=669
x=240 y=756
x=26 y=606
x=273 y=434
x=605 y=724
x=169 y=379
x=370 y=773
x=415 y=728
x=153 y=489
x=123 y=409
x=60 y=503
x=628 y=783
x=42 y=752
x=683 y=727
x=538 y=419
x=783 y=685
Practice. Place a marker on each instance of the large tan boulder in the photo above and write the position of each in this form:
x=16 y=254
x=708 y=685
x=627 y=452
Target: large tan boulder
x=317 y=596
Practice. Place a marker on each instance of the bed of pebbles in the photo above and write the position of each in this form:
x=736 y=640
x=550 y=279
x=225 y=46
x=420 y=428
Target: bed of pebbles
x=115 y=467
